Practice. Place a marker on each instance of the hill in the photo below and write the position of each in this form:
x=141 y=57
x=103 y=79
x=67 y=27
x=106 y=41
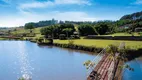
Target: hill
x=133 y=16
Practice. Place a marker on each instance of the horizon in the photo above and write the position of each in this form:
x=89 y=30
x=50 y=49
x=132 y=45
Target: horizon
x=17 y=13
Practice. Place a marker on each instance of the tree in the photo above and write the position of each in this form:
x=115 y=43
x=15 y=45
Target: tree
x=133 y=16
x=44 y=23
x=63 y=26
x=50 y=30
x=9 y=32
x=47 y=31
x=86 y=29
x=102 y=28
x=68 y=31
x=29 y=26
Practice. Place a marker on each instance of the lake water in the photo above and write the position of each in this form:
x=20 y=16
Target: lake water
x=50 y=63
x=137 y=73
x=41 y=62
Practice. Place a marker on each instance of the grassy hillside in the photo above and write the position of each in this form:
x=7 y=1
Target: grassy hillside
x=22 y=30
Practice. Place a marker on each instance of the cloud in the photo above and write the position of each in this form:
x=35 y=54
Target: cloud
x=79 y=2
x=37 y=4
x=35 y=17
x=138 y=2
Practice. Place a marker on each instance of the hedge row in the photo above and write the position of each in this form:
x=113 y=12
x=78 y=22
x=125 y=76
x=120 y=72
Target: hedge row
x=131 y=54
x=79 y=47
x=136 y=38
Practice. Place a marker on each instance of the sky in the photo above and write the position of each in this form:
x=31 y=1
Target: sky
x=14 y=13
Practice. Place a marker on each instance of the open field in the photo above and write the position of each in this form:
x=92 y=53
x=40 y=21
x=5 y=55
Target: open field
x=122 y=34
x=22 y=30
x=2 y=38
x=103 y=43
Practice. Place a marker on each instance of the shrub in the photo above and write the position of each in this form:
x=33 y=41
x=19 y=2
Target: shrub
x=62 y=36
x=79 y=47
x=75 y=37
x=140 y=33
x=71 y=42
x=40 y=40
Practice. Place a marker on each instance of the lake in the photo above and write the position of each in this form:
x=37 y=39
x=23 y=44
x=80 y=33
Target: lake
x=41 y=62
x=136 y=64
x=50 y=63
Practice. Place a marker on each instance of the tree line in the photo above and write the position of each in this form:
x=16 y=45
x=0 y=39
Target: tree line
x=31 y=25
x=133 y=16
x=57 y=30
x=84 y=28
x=88 y=28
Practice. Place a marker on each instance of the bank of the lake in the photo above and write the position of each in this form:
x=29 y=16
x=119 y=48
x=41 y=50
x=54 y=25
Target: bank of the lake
x=133 y=48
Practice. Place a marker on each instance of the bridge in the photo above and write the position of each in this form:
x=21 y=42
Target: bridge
x=103 y=67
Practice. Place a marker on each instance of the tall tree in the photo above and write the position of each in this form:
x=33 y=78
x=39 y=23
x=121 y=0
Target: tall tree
x=29 y=26
x=86 y=29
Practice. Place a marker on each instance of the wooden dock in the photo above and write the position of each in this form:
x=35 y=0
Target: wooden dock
x=104 y=70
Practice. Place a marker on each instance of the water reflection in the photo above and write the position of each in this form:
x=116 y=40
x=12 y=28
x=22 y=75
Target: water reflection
x=25 y=67
x=44 y=46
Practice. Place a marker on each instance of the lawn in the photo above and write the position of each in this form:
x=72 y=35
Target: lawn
x=122 y=34
x=22 y=30
x=103 y=43
x=2 y=38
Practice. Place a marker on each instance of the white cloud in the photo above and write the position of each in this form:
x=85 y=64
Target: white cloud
x=79 y=2
x=34 y=17
x=25 y=13
x=44 y=4
x=36 y=5
x=138 y=2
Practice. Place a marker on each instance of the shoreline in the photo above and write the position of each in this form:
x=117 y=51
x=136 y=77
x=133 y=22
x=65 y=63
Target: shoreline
x=131 y=53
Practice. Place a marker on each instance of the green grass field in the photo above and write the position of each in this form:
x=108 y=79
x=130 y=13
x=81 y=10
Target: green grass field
x=102 y=43
x=2 y=38
x=22 y=30
x=122 y=34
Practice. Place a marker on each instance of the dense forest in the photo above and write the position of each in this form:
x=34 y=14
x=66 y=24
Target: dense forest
x=41 y=23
